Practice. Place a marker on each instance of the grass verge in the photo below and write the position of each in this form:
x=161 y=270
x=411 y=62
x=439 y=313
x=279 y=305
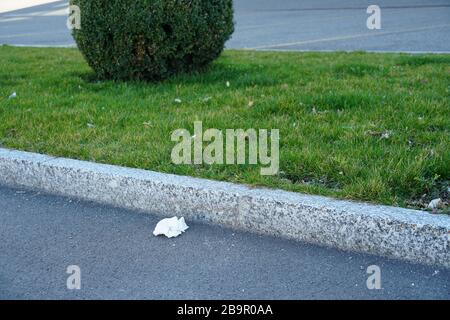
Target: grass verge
x=363 y=126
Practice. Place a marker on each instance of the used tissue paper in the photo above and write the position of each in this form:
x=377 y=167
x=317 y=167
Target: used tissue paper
x=170 y=228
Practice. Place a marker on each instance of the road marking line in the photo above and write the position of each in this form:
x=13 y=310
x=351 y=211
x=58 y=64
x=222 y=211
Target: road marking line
x=354 y=36
x=432 y=6
x=21 y=35
x=412 y=52
x=292 y=21
x=71 y=45
x=14 y=19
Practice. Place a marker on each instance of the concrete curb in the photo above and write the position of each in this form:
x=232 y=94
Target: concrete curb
x=393 y=232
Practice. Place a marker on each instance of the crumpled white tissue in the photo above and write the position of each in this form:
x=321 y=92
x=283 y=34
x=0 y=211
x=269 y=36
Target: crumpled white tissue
x=171 y=227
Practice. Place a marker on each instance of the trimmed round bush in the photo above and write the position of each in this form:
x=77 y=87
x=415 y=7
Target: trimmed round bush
x=152 y=39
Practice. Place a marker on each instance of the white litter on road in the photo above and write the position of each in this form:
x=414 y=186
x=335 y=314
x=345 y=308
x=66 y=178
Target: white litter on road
x=171 y=227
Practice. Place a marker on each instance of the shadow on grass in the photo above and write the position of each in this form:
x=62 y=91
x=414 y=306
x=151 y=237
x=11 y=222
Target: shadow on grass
x=359 y=70
x=216 y=74
x=417 y=61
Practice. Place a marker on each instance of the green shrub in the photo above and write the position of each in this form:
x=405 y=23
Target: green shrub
x=152 y=39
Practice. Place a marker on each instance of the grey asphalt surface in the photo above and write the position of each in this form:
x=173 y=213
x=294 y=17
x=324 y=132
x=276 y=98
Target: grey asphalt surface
x=41 y=235
x=407 y=25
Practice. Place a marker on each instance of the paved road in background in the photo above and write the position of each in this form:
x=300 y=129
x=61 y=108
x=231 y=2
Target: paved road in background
x=407 y=25
x=41 y=235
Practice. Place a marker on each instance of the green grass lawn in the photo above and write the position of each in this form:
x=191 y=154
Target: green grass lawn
x=331 y=109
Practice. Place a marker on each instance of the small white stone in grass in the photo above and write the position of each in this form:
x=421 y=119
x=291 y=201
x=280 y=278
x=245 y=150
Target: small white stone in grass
x=435 y=204
x=177 y=100
x=90 y=125
x=171 y=227
x=13 y=95
x=386 y=135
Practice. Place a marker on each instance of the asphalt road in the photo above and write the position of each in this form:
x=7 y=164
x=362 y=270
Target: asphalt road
x=407 y=25
x=119 y=258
